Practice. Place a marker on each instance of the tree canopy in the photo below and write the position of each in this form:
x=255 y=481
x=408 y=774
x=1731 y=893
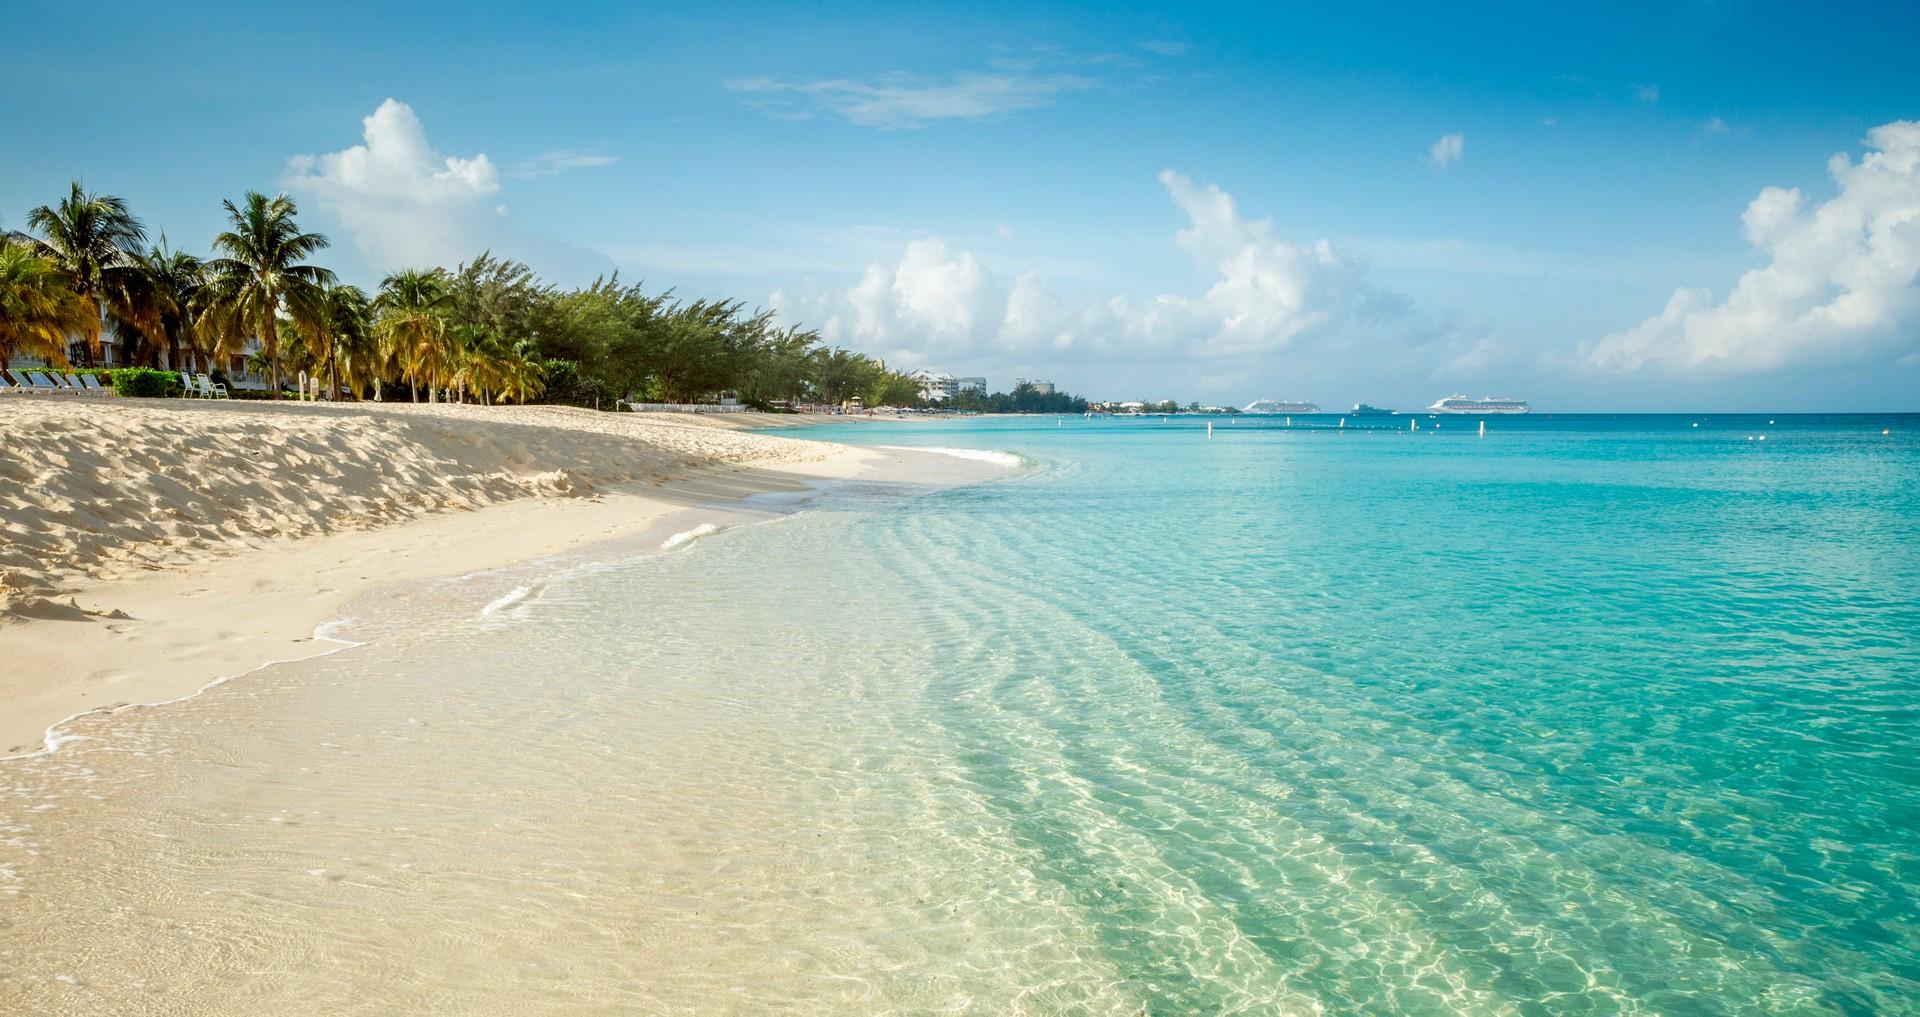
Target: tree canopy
x=489 y=329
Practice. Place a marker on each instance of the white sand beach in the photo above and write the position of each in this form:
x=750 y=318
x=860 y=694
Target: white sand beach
x=149 y=547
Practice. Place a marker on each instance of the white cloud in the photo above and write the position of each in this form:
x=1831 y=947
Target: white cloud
x=550 y=163
x=1269 y=291
x=1165 y=47
x=1267 y=294
x=1715 y=125
x=1447 y=150
x=402 y=203
x=898 y=101
x=1841 y=283
x=1647 y=93
x=1002 y=231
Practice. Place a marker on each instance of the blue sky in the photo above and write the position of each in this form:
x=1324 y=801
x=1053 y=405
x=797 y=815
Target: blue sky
x=1609 y=207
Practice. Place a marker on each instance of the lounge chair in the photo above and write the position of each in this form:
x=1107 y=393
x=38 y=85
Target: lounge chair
x=7 y=387
x=93 y=385
x=41 y=383
x=73 y=382
x=187 y=386
x=210 y=389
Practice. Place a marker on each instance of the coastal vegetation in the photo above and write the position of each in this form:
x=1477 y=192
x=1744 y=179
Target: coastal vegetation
x=1024 y=398
x=486 y=330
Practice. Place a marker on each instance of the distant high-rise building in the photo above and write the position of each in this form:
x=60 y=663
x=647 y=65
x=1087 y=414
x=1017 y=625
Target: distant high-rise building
x=978 y=385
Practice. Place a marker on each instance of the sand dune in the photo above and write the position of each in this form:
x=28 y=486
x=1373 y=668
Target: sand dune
x=103 y=488
x=149 y=547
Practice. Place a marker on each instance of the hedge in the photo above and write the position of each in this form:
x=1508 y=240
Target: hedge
x=145 y=382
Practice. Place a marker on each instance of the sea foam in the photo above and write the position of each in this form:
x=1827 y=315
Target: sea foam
x=510 y=598
x=689 y=536
x=977 y=454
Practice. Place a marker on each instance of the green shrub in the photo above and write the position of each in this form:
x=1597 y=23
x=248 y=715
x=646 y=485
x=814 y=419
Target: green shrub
x=145 y=382
x=566 y=385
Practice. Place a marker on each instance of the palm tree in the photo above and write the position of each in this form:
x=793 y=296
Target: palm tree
x=522 y=378
x=347 y=345
x=493 y=369
x=264 y=275
x=94 y=240
x=171 y=287
x=413 y=306
x=38 y=307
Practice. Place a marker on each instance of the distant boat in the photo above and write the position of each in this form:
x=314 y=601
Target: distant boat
x=1487 y=406
x=1280 y=406
x=1363 y=410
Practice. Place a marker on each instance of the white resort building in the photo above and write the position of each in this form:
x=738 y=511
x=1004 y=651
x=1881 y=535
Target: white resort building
x=936 y=386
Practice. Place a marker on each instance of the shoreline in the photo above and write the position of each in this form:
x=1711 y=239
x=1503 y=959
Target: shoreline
x=184 y=620
x=274 y=602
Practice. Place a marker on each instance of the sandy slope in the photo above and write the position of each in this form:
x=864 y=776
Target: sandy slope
x=147 y=547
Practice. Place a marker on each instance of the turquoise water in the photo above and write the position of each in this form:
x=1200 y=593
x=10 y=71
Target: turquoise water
x=1589 y=715
x=1596 y=712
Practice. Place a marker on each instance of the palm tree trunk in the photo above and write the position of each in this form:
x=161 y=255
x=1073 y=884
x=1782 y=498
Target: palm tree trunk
x=99 y=321
x=270 y=335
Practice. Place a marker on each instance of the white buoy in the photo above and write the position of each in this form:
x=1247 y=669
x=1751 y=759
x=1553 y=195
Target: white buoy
x=1483 y=429
x=1289 y=421
x=1763 y=437
x=1209 y=430
x=1696 y=423
x=1886 y=430
x=1343 y=423
x=1413 y=425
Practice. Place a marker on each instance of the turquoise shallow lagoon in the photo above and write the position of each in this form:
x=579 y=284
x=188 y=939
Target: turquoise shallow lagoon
x=1587 y=715
x=1595 y=711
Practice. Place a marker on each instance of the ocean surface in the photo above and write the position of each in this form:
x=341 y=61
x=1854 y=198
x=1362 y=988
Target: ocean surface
x=1585 y=715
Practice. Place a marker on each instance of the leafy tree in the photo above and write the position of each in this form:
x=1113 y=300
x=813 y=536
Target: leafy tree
x=264 y=275
x=95 y=240
x=350 y=349
x=413 y=308
x=38 y=307
x=172 y=288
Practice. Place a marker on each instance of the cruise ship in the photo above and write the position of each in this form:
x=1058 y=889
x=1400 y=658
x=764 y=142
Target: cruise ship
x=1281 y=406
x=1487 y=406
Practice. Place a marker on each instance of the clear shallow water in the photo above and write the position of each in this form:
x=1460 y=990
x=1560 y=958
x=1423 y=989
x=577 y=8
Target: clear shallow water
x=1592 y=715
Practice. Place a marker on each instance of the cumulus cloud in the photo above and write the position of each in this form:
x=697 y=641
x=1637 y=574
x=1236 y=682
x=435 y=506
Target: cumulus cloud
x=550 y=163
x=404 y=205
x=1267 y=294
x=1647 y=93
x=1841 y=282
x=401 y=202
x=1447 y=150
x=898 y=101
